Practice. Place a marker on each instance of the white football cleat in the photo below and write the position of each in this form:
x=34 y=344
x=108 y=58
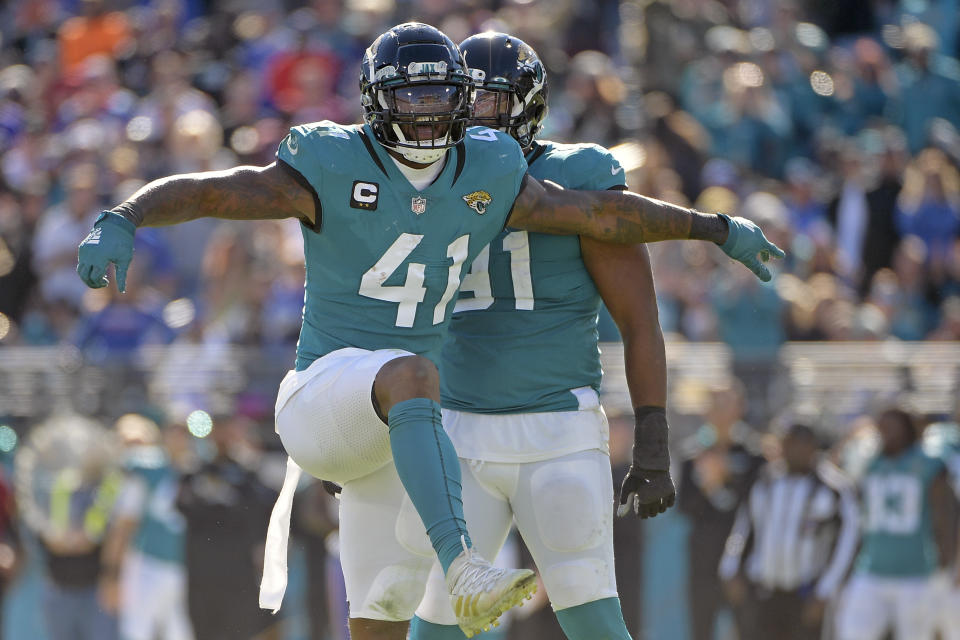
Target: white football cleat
x=480 y=592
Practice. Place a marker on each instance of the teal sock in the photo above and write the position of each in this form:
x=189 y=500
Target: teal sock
x=423 y=630
x=597 y=620
x=428 y=467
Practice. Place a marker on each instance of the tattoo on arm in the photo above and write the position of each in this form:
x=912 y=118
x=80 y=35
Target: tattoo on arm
x=241 y=193
x=619 y=217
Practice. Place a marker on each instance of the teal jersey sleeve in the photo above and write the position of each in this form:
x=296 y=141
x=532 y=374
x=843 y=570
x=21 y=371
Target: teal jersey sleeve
x=590 y=167
x=308 y=149
x=898 y=529
x=524 y=331
x=384 y=270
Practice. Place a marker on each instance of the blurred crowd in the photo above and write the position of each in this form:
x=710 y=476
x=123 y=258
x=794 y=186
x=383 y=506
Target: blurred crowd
x=833 y=124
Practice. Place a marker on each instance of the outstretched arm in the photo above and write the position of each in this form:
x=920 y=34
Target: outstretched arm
x=615 y=216
x=242 y=193
x=629 y=218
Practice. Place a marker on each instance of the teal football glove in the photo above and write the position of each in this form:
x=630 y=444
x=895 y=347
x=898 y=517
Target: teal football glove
x=110 y=240
x=747 y=244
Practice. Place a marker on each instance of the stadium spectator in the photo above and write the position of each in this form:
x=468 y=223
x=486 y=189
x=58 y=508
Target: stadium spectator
x=719 y=464
x=226 y=507
x=849 y=213
x=113 y=333
x=146 y=540
x=792 y=543
x=882 y=233
x=905 y=501
x=929 y=207
x=95 y=31
x=806 y=211
x=750 y=314
x=930 y=74
x=67 y=483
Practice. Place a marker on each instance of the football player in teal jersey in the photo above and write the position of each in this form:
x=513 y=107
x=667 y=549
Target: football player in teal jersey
x=393 y=213
x=520 y=372
x=906 y=497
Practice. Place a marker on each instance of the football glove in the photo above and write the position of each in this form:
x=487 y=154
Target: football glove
x=110 y=240
x=648 y=488
x=747 y=244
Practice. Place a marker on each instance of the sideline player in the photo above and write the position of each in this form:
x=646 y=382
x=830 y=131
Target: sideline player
x=520 y=372
x=904 y=494
x=392 y=212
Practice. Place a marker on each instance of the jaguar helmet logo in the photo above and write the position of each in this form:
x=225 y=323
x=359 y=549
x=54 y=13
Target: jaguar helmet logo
x=478 y=201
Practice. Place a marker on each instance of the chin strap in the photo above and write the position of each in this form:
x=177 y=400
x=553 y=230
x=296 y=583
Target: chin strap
x=422 y=156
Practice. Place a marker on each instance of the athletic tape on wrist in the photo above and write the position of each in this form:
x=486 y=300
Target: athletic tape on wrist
x=650 y=439
x=128 y=211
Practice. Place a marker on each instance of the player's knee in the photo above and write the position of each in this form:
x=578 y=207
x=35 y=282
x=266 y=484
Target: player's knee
x=556 y=488
x=406 y=378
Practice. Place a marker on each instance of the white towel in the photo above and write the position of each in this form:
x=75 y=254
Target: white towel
x=274 y=582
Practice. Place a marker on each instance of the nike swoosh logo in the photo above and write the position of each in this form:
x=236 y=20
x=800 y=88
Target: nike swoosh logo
x=615 y=170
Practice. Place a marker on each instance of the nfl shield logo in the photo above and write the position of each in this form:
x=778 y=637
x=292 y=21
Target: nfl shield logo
x=418 y=204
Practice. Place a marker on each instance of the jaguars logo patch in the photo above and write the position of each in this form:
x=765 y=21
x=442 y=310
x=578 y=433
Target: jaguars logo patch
x=478 y=201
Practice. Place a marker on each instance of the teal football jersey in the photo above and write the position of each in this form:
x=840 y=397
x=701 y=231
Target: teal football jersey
x=384 y=261
x=161 y=529
x=898 y=533
x=524 y=330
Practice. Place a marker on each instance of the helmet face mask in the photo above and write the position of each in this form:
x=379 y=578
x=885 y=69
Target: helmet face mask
x=511 y=85
x=421 y=113
x=415 y=91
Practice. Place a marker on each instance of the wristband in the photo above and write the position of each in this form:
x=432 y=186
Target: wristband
x=726 y=220
x=115 y=219
x=128 y=211
x=650 y=450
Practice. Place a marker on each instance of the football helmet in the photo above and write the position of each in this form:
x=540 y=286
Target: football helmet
x=416 y=92
x=510 y=82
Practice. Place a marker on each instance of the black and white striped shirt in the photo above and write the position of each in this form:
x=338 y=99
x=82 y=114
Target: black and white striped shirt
x=795 y=531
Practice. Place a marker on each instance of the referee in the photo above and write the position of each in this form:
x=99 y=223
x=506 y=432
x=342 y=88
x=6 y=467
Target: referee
x=792 y=543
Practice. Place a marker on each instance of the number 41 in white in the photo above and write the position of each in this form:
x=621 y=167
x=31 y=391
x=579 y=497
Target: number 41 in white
x=411 y=292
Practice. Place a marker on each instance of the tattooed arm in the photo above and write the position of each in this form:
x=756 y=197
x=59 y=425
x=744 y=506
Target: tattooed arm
x=623 y=217
x=241 y=193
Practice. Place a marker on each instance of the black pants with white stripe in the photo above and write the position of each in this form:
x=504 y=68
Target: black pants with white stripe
x=778 y=615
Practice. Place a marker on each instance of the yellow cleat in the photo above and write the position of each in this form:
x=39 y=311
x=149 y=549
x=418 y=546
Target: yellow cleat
x=480 y=592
